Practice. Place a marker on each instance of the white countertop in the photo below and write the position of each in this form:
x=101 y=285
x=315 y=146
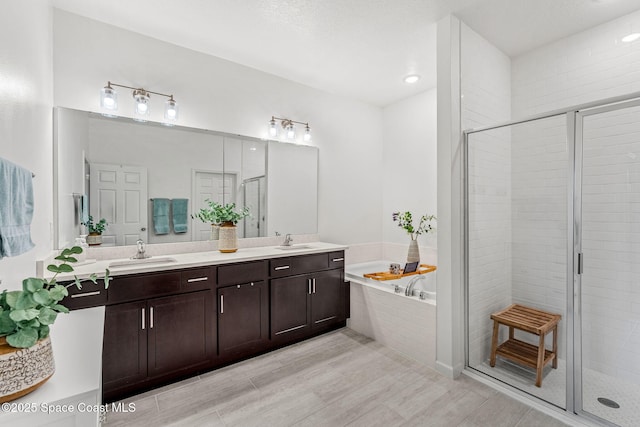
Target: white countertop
x=199 y=259
x=76 y=339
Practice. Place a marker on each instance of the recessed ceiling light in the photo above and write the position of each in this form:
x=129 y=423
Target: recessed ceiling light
x=631 y=37
x=411 y=78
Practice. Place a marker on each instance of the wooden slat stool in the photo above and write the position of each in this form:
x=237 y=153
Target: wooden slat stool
x=530 y=320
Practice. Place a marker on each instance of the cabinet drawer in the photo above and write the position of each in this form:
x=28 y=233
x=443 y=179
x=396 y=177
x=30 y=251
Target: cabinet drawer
x=280 y=267
x=89 y=296
x=310 y=263
x=198 y=279
x=243 y=272
x=336 y=259
x=141 y=286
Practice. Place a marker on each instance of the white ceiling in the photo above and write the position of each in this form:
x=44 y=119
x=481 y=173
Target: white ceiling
x=355 y=48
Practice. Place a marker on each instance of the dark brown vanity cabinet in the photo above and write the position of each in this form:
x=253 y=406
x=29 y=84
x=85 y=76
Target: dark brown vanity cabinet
x=243 y=319
x=124 y=348
x=304 y=304
x=157 y=338
x=243 y=309
x=161 y=326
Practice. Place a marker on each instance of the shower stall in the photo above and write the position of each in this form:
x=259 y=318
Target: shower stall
x=552 y=222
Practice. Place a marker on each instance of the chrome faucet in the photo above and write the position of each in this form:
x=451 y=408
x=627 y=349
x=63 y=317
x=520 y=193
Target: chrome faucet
x=287 y=240
x=412 y=283
x=141 y=254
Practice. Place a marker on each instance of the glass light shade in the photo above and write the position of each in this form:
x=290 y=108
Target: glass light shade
x=141 y=109
x=273 y=129
x=291 y=131
x=108 y=98
x=171 y=110
x=631 y=37
x=307 y=134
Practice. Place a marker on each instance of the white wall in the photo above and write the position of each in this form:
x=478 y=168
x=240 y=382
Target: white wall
x=449 y=314
x=221 y=95
x=473 y=90
x=25 y=120
x=410 y=171
x=486 y=100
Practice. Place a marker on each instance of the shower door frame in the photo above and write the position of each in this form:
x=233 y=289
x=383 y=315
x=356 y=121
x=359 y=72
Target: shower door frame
x=574 y=121
x=577 y=326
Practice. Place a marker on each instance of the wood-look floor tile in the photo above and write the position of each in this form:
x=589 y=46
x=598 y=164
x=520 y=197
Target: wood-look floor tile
x=380 y=416
x=145 y=408
x=410 y=397
x=498 y=411
x=450 y=409
x=351 y=407
x=337 y=379
x=204 y=396
x=535 y=418
x=200 y=419
x=267 y=409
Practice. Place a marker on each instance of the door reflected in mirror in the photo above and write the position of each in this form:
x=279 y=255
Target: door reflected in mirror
x=139 y=176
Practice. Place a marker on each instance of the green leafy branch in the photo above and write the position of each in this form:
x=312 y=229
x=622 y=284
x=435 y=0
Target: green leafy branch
x=405 y=221
x=217 y=213
x=26 y=315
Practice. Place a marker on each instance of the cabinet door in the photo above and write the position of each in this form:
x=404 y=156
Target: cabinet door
x=243 y=318
x=177 y=332
x=290 y=311
x=124 y=352
x=327 y=299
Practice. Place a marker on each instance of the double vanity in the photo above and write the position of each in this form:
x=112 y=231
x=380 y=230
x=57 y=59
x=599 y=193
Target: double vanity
x=189 y=313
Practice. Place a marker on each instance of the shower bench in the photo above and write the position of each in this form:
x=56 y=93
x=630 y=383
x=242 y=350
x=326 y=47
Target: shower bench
x=530 y=320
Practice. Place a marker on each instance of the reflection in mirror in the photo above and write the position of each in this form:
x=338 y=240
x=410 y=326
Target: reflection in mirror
x=143 y=177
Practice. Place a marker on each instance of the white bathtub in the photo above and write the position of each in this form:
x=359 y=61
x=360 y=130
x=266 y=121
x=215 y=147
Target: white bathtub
x=426 y=285
x=405 y=324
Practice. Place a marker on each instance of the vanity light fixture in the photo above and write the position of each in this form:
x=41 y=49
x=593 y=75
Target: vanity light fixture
x=142 y=108
x=631 y=37
x=289 y=126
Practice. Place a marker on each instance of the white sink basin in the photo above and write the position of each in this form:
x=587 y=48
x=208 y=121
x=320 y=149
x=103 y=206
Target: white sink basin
x=152 y=260
x=293 y=247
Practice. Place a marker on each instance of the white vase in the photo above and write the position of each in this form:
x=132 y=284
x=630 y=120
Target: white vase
x=413 y=255
x=228 y=238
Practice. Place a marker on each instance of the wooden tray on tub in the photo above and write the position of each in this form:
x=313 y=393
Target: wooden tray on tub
x=386 y=275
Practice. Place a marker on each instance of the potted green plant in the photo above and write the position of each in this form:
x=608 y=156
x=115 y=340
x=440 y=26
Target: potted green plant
x=25 y=319
x=405 y=221
x=223 y=219
x=95 y=230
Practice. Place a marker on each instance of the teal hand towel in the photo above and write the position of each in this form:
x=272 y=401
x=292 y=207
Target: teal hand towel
x=161 y=216
x=16 y=209
x=180 y=209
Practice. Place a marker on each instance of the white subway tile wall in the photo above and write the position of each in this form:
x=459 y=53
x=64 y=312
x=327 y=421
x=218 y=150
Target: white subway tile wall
x=611 y=236
x=588 y=66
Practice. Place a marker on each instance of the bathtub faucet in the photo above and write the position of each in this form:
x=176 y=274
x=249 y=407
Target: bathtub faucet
x=412 y=283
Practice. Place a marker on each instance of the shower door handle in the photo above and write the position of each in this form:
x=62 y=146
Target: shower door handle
x=580 y=263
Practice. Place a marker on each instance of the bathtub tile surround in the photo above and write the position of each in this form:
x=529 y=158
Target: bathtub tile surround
x=404 y=324
x=337 y=379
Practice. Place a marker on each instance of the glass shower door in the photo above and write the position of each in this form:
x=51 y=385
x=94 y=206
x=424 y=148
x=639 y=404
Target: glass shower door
x=608 y=283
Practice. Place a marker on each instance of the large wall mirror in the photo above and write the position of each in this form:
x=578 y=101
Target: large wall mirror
x=125 y=171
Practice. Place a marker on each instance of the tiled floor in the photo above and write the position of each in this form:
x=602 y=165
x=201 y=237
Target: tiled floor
x=338 y=379
x=594 y=384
